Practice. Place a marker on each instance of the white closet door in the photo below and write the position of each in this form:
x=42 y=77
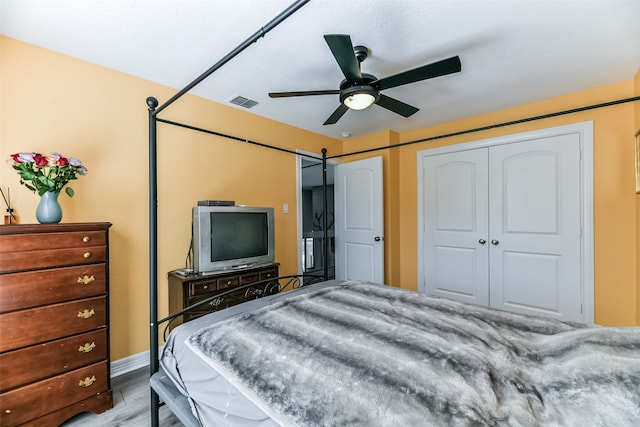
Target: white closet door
x=455 y=206
x=535 y=230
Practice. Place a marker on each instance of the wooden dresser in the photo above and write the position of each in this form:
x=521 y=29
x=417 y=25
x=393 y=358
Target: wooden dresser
x=187 y=290
x=54 y=322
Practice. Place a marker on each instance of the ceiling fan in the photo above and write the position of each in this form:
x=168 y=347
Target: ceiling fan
x=360 y=90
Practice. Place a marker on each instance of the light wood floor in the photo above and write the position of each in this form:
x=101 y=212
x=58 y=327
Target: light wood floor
x=131 y=403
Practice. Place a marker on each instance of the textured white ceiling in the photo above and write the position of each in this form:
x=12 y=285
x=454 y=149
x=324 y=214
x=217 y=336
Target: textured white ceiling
x=512 y=52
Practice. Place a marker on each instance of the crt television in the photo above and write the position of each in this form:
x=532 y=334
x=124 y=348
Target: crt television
x=232 y=237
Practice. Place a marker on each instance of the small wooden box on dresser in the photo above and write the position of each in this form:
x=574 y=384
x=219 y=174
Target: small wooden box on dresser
x=187 y=290
x=54 y=322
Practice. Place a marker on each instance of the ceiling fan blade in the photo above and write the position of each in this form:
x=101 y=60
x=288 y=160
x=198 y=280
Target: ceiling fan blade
x=435 y=69
x=342 y=49
x=303 y=93
x=396 y=106
x=333 y=118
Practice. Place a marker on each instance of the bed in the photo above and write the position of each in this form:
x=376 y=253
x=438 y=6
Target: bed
x=355 y=353
x=352 y=353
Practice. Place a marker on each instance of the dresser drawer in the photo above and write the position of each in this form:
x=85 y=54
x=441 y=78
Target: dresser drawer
x=27 y=327
x=30 y=242
x=201 y=288
x=269 y=274
x=37 y=399
x=228 y=281
x=52 y=358
x=249 y=278
x=34 y=288
x=47 y=258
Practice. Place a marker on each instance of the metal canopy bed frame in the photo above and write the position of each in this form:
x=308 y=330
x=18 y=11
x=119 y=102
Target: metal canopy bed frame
x=177 y=402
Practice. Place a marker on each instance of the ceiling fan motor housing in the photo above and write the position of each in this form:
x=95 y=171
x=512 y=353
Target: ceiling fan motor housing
x=361 y=52
x=367 y=80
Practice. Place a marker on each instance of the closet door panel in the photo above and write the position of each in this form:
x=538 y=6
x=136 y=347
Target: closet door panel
x=454 y=272
x=534 y=201
x=455 y=260
x=530 y=181
x=532 y=280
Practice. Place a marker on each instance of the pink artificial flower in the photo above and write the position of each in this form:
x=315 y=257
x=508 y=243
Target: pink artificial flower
x=57 y=159
x=53 y=159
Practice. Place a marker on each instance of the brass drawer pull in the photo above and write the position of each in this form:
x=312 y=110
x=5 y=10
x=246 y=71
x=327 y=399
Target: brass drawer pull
x=86 y=313
x=86 y=239
x=87 y=347
x=205 y=287
x=87 y=255
x=86 y=279
x=87 y=381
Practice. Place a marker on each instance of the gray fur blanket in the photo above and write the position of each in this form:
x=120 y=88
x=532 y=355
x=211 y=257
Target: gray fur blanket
x=360 y=354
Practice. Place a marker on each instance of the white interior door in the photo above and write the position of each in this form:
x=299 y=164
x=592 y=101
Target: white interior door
x=456 y=226
x=535 y=227
x=359 y=220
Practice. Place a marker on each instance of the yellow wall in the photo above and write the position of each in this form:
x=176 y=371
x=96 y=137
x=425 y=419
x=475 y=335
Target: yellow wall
x=615 y=218
x=52 y=102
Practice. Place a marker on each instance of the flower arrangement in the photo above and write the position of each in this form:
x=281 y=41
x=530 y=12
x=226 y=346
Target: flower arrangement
x=46 y=173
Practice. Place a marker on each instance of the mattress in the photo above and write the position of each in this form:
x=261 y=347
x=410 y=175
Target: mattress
x=213 y=400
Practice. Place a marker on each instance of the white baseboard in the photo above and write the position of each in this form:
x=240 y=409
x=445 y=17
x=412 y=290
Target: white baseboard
x=131 y=363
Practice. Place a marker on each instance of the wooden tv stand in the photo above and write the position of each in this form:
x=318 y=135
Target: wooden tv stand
x=187 y=290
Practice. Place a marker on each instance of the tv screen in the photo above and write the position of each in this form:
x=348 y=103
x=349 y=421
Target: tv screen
x=238 y=235
x=232 y=237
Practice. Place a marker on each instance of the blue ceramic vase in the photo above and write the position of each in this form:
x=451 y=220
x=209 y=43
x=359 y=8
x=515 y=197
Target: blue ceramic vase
x=49 y=210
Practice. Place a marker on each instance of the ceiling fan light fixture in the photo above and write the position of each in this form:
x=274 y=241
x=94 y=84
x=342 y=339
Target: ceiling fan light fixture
x=359 y=97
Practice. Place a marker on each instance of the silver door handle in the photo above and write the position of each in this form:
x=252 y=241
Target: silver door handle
x=482 y=241
x=494 y=242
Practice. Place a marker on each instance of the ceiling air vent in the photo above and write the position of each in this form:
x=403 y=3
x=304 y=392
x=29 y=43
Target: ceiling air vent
x=243 y=102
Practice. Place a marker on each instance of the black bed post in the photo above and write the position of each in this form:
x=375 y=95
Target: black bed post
x=325 y=211
x=152 y=103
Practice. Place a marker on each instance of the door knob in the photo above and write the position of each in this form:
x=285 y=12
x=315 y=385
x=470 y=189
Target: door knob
x=377 y=238
x=482 y=241
x=494 y=242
